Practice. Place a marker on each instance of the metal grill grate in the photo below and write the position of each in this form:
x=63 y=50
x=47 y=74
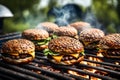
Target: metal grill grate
x=41 y=69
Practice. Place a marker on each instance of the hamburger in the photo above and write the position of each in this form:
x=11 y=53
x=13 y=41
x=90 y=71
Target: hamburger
x=66 y=31
x=65 y=50
x=91 y=37
x=18 y=51
x=109 y=46
x=39 y=37
x=48 y=26
x=80 y=26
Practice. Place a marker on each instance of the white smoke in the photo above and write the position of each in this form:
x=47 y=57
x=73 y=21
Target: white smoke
x=91 y=18
x=66 y=14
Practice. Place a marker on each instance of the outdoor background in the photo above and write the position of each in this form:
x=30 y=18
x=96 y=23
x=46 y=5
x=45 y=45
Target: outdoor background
x=103 y=14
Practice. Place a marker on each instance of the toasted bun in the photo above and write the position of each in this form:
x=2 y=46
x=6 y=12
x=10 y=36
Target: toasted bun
x=66 y=31
x=111 y=41
x=91 y=35
x=80 y=25
x=17 y=61
x=65 y=45
x=20 y=46
x=35 y=34
x=48 y=26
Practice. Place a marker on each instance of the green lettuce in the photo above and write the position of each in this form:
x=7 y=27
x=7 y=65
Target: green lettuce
x=49 y=52
x=42 y=42
x=82 y=53
x=45 y=41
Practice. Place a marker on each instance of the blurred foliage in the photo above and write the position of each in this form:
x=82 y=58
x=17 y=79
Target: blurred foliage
x=28 y=15
x=10 y=26
x=107 y=14
x=23 y=11
x=111 y=28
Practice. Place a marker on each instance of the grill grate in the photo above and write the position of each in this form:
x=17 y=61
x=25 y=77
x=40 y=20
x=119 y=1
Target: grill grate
x=41 y=69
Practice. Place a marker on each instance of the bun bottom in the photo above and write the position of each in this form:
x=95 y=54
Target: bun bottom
x=68 y=62
x=40 y=47
x=17 y=61
x=110 y=53
x=111 y=56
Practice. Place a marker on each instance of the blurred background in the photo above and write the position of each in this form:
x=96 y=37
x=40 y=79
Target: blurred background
x=103 y=14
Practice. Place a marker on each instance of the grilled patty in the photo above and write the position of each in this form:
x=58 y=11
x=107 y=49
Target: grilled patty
x=21 y=56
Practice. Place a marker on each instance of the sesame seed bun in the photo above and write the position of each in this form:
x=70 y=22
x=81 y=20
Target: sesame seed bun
x=21 y=46
x=66 y=31
x=48 y=26
x=65 y=45
x=35 y=34
x=111 y=41
x=80 y=25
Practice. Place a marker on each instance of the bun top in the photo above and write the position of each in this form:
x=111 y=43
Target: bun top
x=48 y=26
x=111 y=41
x=66 y=31
x=35 y=34
x=91 y=35
x=80 y=25
x=65 y=45
x=19 y=46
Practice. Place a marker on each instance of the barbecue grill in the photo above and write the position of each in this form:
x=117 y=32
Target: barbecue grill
x=41 y=69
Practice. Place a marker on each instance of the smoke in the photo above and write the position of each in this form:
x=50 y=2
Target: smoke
x=39 y=26
x=66 y=14
x=71 y=13
x=91 y=18
x=62 y=17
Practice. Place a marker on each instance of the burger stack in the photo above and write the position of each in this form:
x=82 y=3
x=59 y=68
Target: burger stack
x=109 y=46
x=61 y=44
x=18 y=51
x=38 y=36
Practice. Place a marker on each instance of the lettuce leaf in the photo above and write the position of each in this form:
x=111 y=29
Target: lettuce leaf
x=45 y=41
x=54 y=36
x=82 y=53
x=42 y=42
x=49 y=52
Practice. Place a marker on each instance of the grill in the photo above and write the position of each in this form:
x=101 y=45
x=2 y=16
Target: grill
x=41 y=69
